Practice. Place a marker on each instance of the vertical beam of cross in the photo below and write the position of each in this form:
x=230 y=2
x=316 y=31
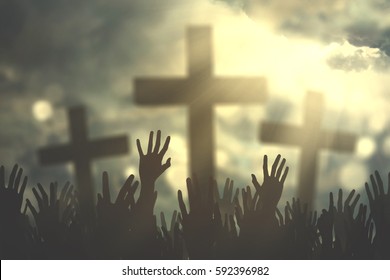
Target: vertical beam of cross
x=311 y=139
x=200 y=91
x=81 y=152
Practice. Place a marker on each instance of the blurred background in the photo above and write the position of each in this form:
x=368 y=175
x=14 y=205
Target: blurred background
x=57 y=54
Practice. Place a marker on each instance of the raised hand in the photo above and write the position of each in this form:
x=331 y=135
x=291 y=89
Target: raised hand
x=271 y=189
x=304 y=229
x=173 y=243
x=379 y=203
x=325 y=227
x=50 y=221
x=114 y=220
x=361 y=235
x=11 y=196
x=150 y=164
x=227 y=202
x=198 y=222
x=174 y=220
x=343 y=218
x=117 y=214
x=246 y=215
x=13 y=224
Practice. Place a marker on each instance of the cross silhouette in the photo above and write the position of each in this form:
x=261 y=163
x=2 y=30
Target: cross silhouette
x=311 y=140
x=200 y=91
x=81 y=151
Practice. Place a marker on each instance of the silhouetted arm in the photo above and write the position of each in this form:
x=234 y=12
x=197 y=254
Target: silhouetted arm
x=271 y=189
x=379 y=203
x=198 y=222
x=150 y=168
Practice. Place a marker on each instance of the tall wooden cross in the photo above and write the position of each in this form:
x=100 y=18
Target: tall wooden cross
x=311 y=140
x=81 y=151
x=200 y=91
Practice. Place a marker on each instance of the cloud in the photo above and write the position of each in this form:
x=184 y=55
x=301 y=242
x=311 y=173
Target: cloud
x=362 y=23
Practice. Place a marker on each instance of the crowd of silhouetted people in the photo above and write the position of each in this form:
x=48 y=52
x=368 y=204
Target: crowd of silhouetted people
x=233 y=225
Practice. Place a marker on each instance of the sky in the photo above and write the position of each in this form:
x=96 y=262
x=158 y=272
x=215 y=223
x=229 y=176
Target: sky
x=57 y=54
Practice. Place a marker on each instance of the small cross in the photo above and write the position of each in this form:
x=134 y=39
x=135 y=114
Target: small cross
x=200 y=91
x=311 y=139
x=81 y=151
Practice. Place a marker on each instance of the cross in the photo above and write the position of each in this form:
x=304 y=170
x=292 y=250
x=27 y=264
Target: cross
x=311 y=140
x=200 y=91
x=81 y=151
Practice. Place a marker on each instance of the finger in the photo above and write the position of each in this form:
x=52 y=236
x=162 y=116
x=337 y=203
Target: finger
x=125 y=189
x=155 y=194
x=69 y=195
x=17 y=180
x=53 y=193
x=182 y=206
x=217 y=215
x=233 y=225
x=284 y=175
x=166 y=145
x=167 y=164
x=265 y=166
x=239 y=214
x=365 y=214
x=129 y=200
x=289 y=209
x=280 y=217
x=236 y=195
x=45 y=198
x=158 y=141
x=163 y=222
x=106 y=187
x=286 y=214
x=140 y=152
x=314 y=219
x=230 y=191
x=380 y=183
x=12 y=176
x=23 y=187
x=355 y=201
x=340 y=201
x=216 y=191
x=25 y=209
x=32 y=209
x=331 y=203
x=369 y=195
x=150 y=143
x=134 y=188
x=348 y=200
x=63 y=191
x=255 y=182
x=360 y=213
x=374 y=186
x=38 y=198
x=371 y=231
x=173 y=220
x=2 y=177
x=191 y=194
x=225 y=189
x=245 y=202
x=275 y=165
x=255 y=201
x=280 y=169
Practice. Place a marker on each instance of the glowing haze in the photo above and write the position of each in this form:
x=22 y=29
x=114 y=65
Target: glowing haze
x=54 y=54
